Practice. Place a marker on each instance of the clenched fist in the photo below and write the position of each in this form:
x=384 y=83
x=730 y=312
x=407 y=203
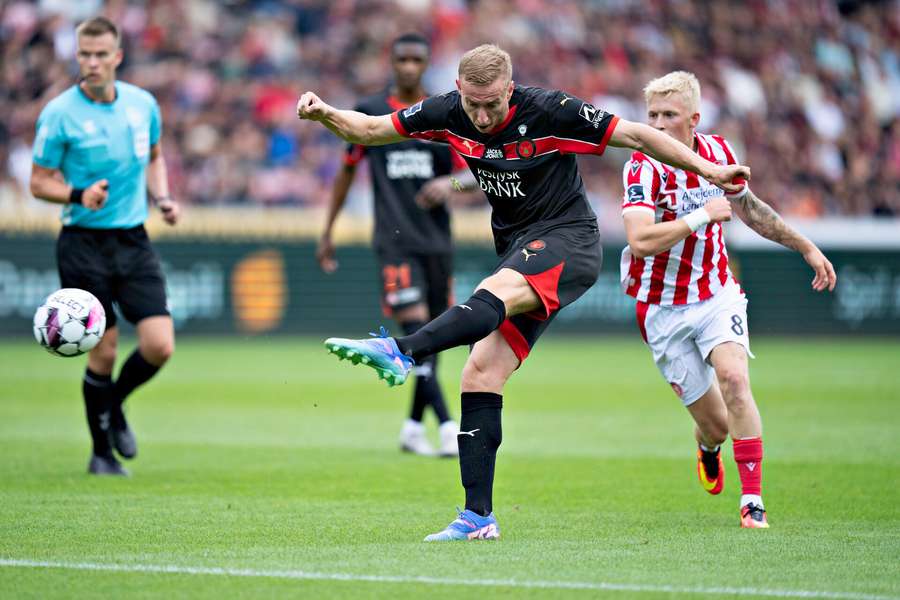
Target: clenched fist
x=311 y=108
x=731 y=178
x=170 y=210
x=325 y=254
x=718 y=209
x=95 y=195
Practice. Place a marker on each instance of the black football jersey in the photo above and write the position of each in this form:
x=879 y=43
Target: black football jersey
x=526 y=166
x=398 y=171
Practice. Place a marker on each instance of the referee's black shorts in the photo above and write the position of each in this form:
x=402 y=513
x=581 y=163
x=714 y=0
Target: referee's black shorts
x=116 y=265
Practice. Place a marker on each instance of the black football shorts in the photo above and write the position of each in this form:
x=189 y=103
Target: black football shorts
x=118 y=266
x=409 y=278
x=560 y=264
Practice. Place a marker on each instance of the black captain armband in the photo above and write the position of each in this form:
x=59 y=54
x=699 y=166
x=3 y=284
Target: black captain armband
x=75 y=195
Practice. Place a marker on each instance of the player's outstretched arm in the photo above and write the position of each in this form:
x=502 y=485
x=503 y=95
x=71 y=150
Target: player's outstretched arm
x=349 y=125
x=666 y=149
x=763 y=219
x=647 y=238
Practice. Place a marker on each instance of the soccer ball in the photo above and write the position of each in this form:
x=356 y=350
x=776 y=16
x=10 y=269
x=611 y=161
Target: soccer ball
x=69 y=322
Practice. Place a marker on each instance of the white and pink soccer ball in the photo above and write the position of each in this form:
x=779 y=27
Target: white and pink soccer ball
x=70 y=322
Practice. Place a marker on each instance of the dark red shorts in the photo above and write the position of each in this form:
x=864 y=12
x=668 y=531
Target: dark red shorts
x=560 y=264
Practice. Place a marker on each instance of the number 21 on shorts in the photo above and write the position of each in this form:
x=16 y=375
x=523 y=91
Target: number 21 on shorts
x=396 y=277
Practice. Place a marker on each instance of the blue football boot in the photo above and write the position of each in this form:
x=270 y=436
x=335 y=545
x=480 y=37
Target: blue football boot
x=380 y=352
x=468 y=526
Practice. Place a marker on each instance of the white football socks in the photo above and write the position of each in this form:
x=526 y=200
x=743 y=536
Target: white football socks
x=748 y=498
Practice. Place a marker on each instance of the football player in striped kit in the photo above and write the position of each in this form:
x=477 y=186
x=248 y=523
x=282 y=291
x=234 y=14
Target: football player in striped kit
x=691 y=311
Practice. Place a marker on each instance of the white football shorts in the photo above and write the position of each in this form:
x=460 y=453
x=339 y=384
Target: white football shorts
x=681 y=338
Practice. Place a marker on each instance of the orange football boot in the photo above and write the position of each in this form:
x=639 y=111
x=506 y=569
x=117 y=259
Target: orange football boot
x=709 y=463
x=753 y=517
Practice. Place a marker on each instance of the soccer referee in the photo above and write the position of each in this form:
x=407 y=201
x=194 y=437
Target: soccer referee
x=97 y=152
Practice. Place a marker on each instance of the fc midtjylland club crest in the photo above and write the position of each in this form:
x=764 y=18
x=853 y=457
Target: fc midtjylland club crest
x=525 y=148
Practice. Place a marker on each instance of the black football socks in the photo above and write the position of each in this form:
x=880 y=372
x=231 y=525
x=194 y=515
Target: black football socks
x=97 y=390
x=480 y=435
x=135 y=372
x=459 y=325
x=427 y=391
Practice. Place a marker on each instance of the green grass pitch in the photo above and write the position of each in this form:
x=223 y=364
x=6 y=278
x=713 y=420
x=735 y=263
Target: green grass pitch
x=267 y=468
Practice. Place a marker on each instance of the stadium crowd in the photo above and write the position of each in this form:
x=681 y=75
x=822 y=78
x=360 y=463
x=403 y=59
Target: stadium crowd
x=808 y=91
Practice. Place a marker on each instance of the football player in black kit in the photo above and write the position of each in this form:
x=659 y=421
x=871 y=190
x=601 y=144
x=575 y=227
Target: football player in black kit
x=413 y=245
x=520 y=143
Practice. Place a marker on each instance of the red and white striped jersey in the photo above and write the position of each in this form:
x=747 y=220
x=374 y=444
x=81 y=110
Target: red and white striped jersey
x=697 y=267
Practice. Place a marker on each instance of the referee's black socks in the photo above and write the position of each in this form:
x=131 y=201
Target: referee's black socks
x=480 y=435
x=136 y=371
x=97 y=391
x=459 y=325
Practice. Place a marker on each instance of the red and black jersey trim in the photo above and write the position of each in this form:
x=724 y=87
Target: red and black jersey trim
x=354 y=155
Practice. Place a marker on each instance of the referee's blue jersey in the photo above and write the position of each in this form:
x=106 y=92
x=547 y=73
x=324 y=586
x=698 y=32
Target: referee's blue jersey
x=88 y=141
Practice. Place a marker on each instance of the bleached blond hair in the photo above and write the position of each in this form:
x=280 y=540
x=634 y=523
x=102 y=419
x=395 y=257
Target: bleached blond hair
x=485 y=64
x=676 y=82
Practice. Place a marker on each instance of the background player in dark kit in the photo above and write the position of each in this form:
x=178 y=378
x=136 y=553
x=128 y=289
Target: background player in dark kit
x=413 y=245
x=520 y=144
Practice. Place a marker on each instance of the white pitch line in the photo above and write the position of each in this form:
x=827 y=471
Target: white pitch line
x=513 y=583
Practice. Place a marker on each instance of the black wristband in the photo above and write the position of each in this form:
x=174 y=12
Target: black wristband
x=75 y=195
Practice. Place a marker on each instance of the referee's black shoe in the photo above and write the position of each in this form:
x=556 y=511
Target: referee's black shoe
x=106 y=465
x=120 y=434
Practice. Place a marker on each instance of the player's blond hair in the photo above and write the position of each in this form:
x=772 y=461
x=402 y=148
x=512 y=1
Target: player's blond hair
x=676 y=82
x=485 y=64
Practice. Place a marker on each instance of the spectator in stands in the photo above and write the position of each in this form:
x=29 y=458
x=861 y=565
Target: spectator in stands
x=815 y=85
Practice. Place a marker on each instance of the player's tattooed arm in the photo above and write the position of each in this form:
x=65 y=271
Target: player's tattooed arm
x=763 y=219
